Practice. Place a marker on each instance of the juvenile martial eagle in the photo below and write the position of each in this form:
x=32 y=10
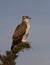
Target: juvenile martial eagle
x=21 y=31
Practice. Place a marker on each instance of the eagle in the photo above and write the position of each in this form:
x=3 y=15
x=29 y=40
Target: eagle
x=21 y=31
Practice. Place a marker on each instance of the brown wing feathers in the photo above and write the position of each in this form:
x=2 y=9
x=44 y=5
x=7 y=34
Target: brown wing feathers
x=19 y=31
x=18 y=34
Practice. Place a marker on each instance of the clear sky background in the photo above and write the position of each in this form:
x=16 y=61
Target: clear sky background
x=11 y=12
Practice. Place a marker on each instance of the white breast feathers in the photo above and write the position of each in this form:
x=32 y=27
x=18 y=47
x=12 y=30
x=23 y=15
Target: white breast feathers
x=27 y=32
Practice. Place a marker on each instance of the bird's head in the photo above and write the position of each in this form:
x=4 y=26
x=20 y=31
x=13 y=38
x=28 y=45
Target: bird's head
x=25 y=19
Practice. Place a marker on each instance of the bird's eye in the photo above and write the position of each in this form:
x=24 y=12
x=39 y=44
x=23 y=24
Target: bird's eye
x=26 y=17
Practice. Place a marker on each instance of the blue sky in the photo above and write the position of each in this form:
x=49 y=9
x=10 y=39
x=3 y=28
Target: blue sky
x=11 y=12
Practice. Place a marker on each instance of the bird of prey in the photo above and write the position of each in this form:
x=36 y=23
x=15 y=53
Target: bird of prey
x=21 y=31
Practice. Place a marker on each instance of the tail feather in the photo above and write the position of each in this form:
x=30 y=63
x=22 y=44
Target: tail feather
x=12 y=47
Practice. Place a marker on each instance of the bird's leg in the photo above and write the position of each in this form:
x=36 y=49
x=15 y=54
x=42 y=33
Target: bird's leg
x=24 y=38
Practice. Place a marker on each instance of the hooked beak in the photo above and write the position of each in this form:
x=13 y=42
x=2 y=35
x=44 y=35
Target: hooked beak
x=29 y=17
